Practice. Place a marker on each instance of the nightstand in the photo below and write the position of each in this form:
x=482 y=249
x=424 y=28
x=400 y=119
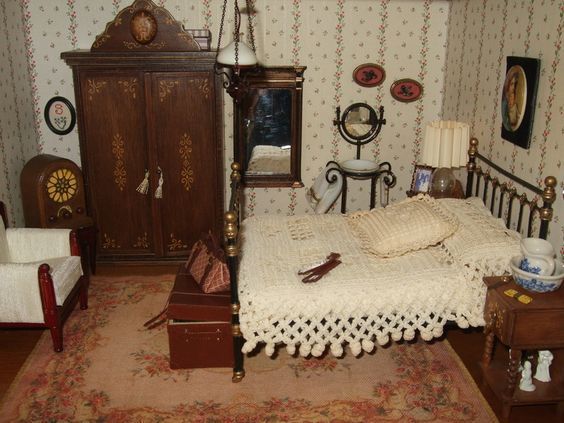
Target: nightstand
x=524 y=329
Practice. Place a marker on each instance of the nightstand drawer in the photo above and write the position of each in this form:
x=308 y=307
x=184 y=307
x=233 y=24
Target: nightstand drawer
x=539 y=329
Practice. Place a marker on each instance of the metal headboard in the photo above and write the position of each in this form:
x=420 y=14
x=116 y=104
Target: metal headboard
x=503 y=194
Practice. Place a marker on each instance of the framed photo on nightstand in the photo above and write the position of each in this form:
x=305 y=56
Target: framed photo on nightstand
x=421 y=182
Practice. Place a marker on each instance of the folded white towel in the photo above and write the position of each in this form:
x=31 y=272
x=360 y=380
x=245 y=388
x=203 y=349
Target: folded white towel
x=322 y=194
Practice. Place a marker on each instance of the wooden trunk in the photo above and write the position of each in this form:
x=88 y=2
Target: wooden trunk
x=198 y=326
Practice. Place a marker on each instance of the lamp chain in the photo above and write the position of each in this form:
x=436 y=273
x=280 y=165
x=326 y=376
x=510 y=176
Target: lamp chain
x=251 y=14
x=236 y=36
x=220 y=29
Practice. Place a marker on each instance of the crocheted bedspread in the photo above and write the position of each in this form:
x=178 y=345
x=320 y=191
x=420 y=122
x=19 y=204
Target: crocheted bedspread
x=366 y=299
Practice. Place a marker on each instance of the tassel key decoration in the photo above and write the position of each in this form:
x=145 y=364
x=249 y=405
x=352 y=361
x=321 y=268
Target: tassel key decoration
x=143 y=187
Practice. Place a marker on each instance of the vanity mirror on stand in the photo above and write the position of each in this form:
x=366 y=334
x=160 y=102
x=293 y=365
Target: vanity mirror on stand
x=268 y=127
x=358 y=125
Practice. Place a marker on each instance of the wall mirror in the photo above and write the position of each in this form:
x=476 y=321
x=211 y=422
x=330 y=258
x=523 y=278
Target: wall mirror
x=268 y=127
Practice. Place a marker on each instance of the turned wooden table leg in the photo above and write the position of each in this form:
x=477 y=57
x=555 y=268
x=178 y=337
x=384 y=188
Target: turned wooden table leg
x=512 y=374
x=488 y=347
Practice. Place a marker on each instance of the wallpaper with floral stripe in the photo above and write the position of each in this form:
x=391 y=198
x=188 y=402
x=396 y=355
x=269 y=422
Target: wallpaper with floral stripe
x=330 y=37
x=481 y=35
x=457 y=56
x=18 y=140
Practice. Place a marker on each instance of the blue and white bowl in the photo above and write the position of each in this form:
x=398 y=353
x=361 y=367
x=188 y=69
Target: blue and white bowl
x=536 y=283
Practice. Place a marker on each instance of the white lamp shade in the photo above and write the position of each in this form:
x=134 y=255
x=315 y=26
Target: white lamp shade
x=226 y=55
x=445 y=144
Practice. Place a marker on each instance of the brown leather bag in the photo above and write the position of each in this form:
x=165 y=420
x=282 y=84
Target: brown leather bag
x=207 y=265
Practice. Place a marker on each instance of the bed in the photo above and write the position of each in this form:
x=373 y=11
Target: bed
x=413 y=282
x=269 y=159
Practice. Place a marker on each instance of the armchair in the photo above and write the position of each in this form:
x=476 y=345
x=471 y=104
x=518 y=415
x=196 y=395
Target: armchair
x=41 y=278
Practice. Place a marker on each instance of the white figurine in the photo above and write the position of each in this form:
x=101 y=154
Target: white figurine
x=526 y=383
x=545 y=359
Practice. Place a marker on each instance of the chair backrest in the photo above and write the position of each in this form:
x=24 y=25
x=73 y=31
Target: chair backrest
x=4 y=251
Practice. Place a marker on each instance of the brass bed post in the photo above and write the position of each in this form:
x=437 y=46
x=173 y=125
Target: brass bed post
x=548 y=197
x=231 y=231
x=471 y=166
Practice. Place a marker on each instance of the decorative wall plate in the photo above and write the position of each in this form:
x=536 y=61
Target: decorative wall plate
x=369 y=75
x=60 y=115
x=406 y=90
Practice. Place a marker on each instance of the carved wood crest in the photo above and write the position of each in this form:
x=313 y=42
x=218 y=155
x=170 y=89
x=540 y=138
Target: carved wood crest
x=144 y=26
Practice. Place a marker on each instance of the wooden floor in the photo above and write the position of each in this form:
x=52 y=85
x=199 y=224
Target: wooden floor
x=15 y=346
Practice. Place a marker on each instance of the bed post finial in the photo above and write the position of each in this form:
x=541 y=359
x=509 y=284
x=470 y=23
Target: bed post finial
x=548 y=197
x=471 y=165
x=473 y=150
x=235 y=172
x=230 y=230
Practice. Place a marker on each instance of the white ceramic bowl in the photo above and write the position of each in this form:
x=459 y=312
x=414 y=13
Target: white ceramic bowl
x=534 y=282
x=359 y=165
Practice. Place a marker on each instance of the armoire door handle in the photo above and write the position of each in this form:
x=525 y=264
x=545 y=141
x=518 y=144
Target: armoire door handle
x=159 y=190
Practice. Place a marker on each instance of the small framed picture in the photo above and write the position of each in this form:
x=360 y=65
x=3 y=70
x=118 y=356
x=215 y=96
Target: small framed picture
x=421 y=182
x=406 y=90
x=369 y=75
x=60 y=115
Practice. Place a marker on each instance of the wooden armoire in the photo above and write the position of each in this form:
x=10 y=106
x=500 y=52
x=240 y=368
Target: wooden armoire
x=149 y=108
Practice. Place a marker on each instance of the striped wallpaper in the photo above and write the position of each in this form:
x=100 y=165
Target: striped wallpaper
x=455 y=49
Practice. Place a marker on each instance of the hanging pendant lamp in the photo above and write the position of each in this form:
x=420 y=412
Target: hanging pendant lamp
x=236 y=55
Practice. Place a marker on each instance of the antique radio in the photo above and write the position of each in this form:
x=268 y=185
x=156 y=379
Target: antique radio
x=53 y=193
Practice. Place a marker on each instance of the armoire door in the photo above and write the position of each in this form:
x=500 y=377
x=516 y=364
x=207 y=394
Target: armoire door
x=189 y=155
x=115 y=144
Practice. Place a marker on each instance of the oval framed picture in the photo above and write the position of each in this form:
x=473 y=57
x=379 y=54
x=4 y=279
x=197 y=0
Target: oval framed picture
x=406 y=90
x=513 y=98
x=369 y=75
x=60 y=115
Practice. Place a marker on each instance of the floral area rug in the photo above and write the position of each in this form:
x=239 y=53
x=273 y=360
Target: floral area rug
x=114 y=370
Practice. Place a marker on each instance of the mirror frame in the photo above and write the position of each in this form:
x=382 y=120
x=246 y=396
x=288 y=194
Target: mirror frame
x=359 y=141
x=373 y=120
x=277 y=77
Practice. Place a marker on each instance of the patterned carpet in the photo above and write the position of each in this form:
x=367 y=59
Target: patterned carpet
x=114 y=370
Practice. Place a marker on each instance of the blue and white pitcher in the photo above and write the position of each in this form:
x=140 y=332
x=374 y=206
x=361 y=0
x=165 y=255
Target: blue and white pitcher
x=538 y=256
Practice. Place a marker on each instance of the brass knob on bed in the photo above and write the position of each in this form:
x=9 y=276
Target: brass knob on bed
x=549 y=193
x=473 y=146
x=230 y=217
x=230 y=230
x=235 y=171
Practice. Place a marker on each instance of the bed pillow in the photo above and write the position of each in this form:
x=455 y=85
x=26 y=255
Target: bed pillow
x=480 y=236
x=409 y=225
